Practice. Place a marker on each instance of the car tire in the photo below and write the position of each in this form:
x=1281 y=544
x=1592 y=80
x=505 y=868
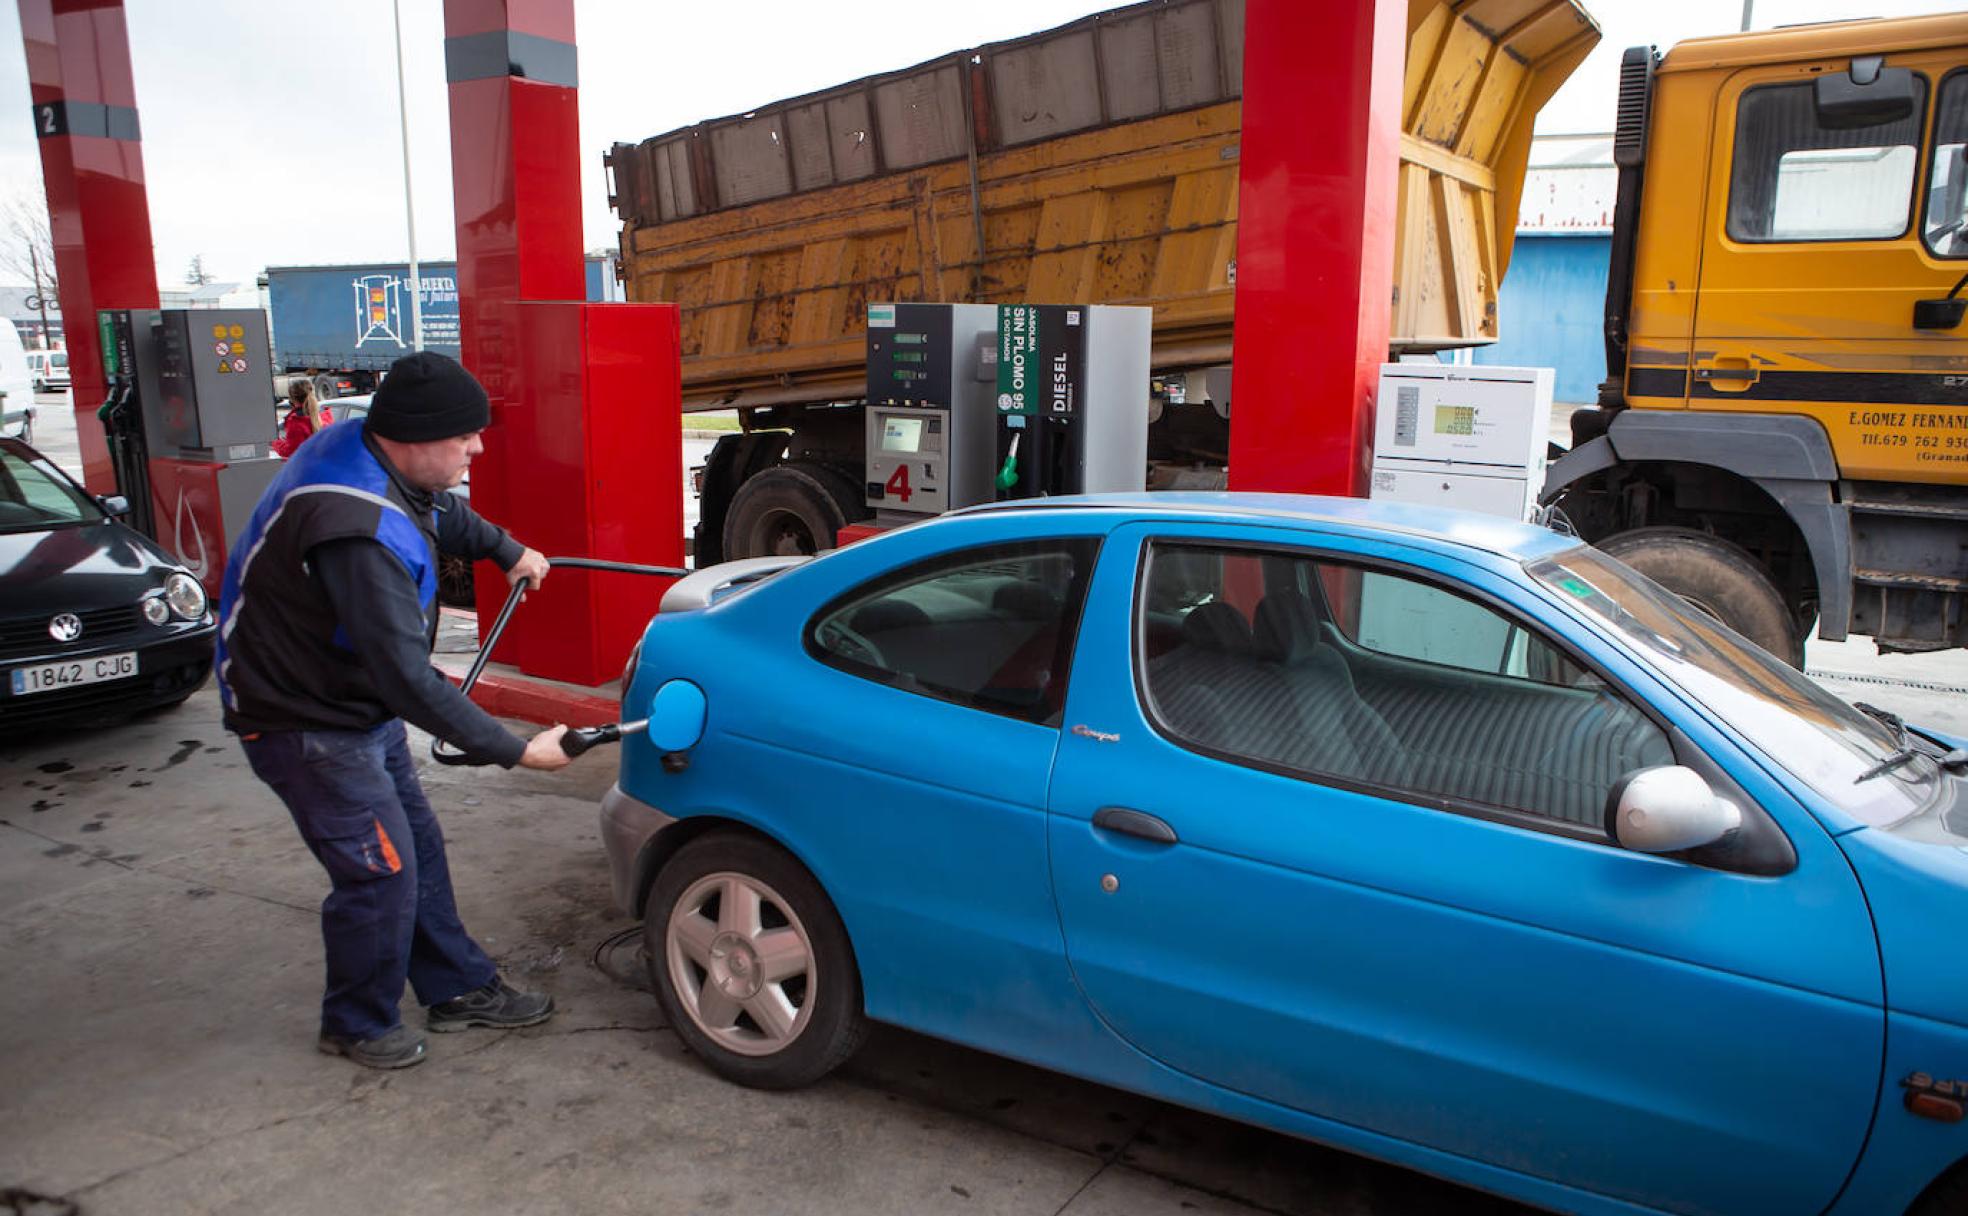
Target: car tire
x=40 y=386
x=751 y=964
x=1948 y=1196
x=455 y=588
x=1719 y=578
x=789 y=509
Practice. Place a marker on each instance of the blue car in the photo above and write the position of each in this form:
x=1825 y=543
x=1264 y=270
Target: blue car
x=1436 y=837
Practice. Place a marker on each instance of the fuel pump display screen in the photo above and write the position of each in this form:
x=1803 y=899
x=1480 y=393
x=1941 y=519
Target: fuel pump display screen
x=1455 y=420
x=902 y=434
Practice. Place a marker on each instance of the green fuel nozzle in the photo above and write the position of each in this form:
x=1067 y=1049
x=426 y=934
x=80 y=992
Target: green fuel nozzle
x=1008 y=475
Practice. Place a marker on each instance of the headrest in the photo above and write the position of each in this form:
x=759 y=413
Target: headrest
x=884 y=615
x=1217 y=626
x=1026 y=601
x=1286 y=629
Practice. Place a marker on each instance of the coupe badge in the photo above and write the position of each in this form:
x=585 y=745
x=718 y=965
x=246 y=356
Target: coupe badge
x=66 y=627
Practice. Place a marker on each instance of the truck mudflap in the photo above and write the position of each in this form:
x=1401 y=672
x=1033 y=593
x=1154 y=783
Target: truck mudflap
x=1787 y=456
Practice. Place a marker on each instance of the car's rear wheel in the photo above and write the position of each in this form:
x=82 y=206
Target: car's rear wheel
x=751 y=963
x=1718 y=578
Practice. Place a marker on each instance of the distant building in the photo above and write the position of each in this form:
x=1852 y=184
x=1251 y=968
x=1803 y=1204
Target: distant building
x=208 y=295
x=1552 y=305
x=14 y=306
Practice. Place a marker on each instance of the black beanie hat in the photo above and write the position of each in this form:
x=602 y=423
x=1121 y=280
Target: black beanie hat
x=427 y=396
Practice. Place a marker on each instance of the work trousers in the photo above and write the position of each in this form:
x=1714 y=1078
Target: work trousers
x=390 y=916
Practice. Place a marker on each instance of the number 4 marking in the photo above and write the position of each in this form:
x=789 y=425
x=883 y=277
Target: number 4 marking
x=898 y=483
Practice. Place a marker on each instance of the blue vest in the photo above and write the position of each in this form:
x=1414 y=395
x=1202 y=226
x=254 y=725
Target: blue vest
x=284 y=661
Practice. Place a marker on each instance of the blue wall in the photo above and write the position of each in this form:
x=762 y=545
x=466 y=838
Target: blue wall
x=1552 y=312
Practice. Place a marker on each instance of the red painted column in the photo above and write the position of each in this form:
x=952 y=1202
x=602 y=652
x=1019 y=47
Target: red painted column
x=85 y=113
x=584 y=454
x=1315 y=240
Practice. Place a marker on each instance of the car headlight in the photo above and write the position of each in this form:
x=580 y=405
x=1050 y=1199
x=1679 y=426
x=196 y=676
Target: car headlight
x=185 y=597
x=155 y=610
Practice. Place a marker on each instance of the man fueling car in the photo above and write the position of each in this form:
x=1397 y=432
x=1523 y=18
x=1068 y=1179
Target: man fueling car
x=327 y=618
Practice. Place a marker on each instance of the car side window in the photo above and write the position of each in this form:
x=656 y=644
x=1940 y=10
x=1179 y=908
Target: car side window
x=991 y=628
x=1947 y=185
x=1793 y=179
x=1380 y=681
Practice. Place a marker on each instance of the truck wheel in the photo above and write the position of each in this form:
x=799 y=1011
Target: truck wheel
x=454 y=582
x=1719 y=578
x=751 y=964
x=788 y=509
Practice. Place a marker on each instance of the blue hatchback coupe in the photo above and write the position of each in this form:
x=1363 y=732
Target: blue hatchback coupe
x=1432 y=836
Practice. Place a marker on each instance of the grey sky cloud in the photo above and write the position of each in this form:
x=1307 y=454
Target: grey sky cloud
x=270 y=126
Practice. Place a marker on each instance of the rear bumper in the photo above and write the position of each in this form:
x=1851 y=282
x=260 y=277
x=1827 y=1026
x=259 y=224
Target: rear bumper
x=627 y=826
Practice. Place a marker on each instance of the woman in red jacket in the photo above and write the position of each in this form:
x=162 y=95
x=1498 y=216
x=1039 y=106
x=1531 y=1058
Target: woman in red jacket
x=305 y=416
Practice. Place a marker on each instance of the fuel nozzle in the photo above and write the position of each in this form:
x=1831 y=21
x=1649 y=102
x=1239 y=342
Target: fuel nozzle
x=1008 y=475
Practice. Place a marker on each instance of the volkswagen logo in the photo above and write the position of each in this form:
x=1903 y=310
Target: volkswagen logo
x=65 y=627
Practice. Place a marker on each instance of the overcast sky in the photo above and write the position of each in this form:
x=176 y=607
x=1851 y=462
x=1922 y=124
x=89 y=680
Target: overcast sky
x=270 y=132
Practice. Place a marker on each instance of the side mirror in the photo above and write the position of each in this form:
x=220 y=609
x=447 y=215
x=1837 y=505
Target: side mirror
x=114 y=505
x=676 y=717
x=1868 y=95
x=1666 y=810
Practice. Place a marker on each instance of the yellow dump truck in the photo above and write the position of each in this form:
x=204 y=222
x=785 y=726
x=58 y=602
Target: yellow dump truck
x=1783 y=436
x=1093 y=163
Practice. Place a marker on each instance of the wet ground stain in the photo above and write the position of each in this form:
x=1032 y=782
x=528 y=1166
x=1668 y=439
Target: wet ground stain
x=186 y=748
x=56 y=766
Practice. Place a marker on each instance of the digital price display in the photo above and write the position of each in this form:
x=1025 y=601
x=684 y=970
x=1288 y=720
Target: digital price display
x=1455 y=420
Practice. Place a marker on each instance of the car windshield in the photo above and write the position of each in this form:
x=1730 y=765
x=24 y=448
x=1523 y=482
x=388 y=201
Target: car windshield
x=34 y=495
x=1823 y=741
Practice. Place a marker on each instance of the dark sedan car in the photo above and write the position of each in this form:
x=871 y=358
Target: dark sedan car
x=95 y=619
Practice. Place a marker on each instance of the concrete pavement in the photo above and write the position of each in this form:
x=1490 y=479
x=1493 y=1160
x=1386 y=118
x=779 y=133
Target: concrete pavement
x=162 y=953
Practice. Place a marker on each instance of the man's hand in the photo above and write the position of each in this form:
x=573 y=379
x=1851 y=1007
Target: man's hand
x=543 y=750
x=531 y=566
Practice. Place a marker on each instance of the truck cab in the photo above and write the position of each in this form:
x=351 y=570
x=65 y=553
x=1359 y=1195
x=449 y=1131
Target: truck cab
x=1783 y=436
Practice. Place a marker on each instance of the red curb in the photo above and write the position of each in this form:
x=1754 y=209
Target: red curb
x=517 y=696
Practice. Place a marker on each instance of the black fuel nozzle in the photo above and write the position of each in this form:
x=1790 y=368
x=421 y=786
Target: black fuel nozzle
x=579 y=739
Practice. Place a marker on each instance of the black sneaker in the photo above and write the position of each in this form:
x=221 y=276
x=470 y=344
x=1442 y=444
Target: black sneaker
x=399 y=1048
x=498 y=1005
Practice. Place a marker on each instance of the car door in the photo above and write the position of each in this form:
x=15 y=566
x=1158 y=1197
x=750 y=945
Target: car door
x=1824 y=232
x=911 y=770
x=1341 y=869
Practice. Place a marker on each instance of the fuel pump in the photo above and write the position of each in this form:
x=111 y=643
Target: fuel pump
x=1072 y=399
x=190 y=415
x=122 y=422
x=975 y=403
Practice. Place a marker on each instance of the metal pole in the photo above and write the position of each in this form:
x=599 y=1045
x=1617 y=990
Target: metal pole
x=409 y=209
x=40 y=298
x=1747 y=6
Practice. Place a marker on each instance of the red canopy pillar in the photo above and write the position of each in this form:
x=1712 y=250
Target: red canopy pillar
x=584 y=455
x=1315 y=239
x=85 y=113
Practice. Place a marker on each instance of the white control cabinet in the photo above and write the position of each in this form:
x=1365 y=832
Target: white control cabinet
x=1468 y=437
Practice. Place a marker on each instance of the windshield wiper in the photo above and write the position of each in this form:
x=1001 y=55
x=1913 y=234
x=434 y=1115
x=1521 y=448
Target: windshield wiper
x=1903 y=749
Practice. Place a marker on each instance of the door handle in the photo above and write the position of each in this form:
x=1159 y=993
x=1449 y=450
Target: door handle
x=1728 y=374
x=1138 y=824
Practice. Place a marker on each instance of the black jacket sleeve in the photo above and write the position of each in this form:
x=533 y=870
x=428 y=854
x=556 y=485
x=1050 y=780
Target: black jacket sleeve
x=463 y=532
x=377 y=605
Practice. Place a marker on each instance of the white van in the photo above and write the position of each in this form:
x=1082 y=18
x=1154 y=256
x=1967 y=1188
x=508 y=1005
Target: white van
x=48 y=369
x=16 y=385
